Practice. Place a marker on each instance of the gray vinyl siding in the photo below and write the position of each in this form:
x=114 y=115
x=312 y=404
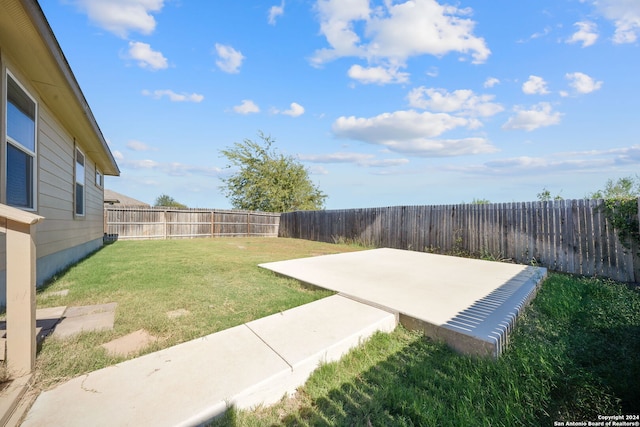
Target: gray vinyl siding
x=62 y=238
x=61 y=229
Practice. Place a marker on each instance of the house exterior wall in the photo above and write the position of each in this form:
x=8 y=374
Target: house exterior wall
x=63 y=237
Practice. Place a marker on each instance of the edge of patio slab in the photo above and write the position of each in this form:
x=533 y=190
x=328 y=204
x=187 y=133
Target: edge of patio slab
x=424 y=290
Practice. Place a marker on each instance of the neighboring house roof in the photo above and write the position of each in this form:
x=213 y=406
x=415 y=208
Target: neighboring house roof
x=31 y=44
x=117 y=199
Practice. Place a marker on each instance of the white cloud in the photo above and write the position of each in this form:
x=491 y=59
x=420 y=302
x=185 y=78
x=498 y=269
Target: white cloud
x=586 y=161
x=537 y=165
x=535 y=85
x=425 y=27
x=378 y=75
x=397 y=125
x=246 y=107
x=587 y=33
x=523 y=162
x=230 y=60
x=491 y=82
x=540 y=34
x=625 y=155
x=295 y=110
x=173 y=96
x=432 y=72
x=147 y=57
x=540 y=115
x=395 y=32
x=583 y=83
x=625 y=15
x=426 y=147
x=360 y=159
x=412 y=132
x=462 y=101
x=118 y=155
x=122 y=16
x=336 y=24
x=274 y=12
x=139 y=146
x=318 y=170
x=170 y=168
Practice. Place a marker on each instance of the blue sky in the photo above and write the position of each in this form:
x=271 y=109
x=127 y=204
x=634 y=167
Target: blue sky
x=385 y=102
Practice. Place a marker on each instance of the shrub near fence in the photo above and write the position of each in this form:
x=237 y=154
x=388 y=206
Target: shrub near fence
x=570 y=236
x=128 y=223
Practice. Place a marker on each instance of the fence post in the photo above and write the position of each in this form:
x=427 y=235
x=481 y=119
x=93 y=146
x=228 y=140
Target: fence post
x=248 y=223
x=166 y=225
x=213 y=227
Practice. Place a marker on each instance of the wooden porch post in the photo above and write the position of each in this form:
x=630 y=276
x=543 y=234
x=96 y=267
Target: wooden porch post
x=21 y=290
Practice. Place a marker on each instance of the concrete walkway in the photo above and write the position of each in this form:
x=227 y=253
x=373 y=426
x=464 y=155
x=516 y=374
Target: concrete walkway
x=193 y=382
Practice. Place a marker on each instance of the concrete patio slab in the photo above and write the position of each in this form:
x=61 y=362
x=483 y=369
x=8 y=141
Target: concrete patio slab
x=469 y=303
x=193 y=382
x=85 y=319
x=130 y=343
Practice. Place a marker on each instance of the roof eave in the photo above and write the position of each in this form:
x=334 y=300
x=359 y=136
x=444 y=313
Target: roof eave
x=109 y=166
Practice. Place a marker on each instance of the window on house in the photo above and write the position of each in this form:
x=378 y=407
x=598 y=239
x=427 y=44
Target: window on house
x=99 y=178
x=21 y=146
x=79 y=183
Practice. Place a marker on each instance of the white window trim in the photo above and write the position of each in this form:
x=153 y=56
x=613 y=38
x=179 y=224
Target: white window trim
x=100 y=182
x=75 y=182
x=7 y=139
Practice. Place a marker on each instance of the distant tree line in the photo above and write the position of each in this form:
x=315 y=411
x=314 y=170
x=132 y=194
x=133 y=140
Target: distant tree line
x=166 y=201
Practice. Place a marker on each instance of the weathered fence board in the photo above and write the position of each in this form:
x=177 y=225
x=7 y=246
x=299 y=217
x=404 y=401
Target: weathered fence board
x=128 y=223
x=570 y=236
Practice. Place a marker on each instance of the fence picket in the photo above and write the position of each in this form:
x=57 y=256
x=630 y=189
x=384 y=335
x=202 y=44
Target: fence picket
x=571 y=236
x=160 y=223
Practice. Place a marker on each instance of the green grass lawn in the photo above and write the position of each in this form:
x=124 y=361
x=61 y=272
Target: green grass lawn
x=216 y=280
x=574 y=355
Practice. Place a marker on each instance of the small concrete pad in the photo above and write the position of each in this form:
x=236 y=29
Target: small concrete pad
x=469 y=303
x=177 y=313
x=86 y=319
x=46 y=320
x=191 y=383
x=50 y=312
x=61 y=293
x=129 y=344
x=86 y=310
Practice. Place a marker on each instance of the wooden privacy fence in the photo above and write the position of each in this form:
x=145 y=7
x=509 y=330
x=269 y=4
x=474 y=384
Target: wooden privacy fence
x=570 y=236
x=129 y=223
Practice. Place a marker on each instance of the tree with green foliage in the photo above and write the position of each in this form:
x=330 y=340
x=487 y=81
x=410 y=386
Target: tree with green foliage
x=545 y=196
x=621 y=208
x=167 y=201
x=624 y=188
x=268 y=181
x=480 y=201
